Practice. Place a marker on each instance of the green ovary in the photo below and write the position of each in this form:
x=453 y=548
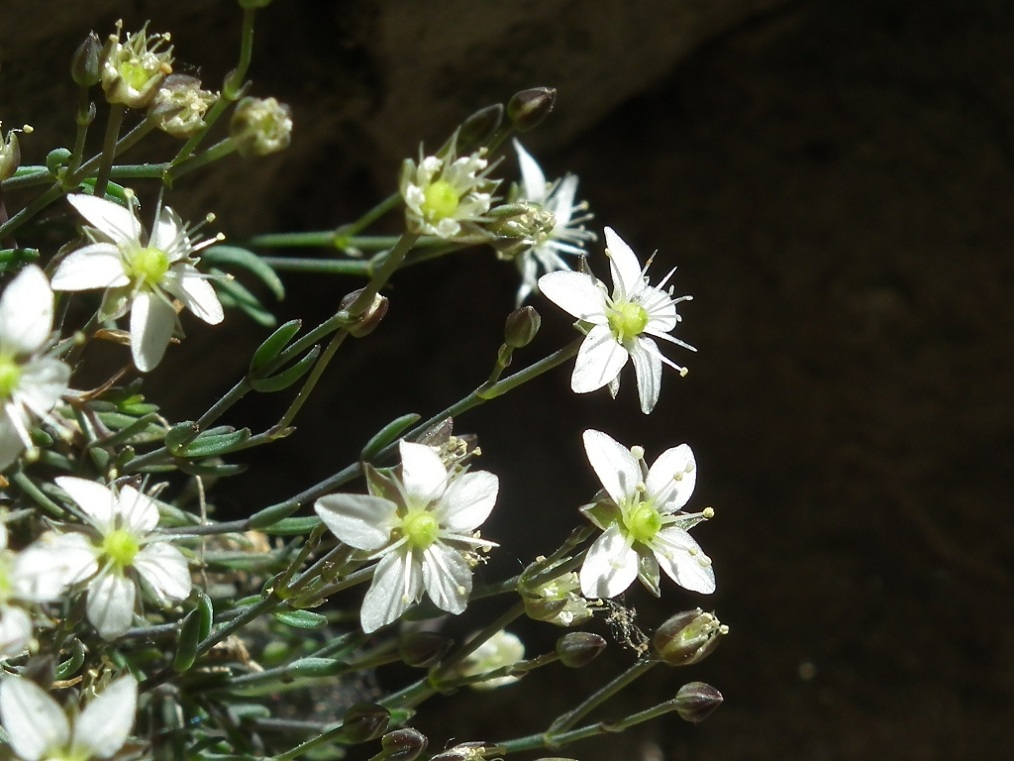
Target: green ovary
x=440 y=200
x=134 y=74
x=121 y=547
x=627 y=320
x=10 y=376
x=420 y=527
x=642 y=522
x=149 y=266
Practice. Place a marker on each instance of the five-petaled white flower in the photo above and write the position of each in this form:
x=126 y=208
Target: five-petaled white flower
x=421 y=526
x=642 y=521
x=141 y=274
x=39 y=729
x=622 y=324
x=30 y=385
x=125 y=551
x=567 y=235
x=443 y=194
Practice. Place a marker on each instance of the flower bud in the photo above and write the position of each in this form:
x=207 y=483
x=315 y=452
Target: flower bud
x=521 y=326
x=424 y=649
x=368 y=320
x=86 y=65
x=468 y=751
x=577 y=649
x=557 y=601
x=688 y=637
x=132 y=71
x=403 y=744
x=180 y=104
x=478 y=128
x=499 y=651
x=696 y=701
x=519 y=227
x=364 y=721
x=528 y=108
x=261 y=126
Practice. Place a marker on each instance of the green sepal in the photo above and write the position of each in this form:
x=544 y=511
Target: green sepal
x=66 y=669
x=268 y=351
x=286 y=377
x=301 y=619
x=382 y=483
x=388 y=435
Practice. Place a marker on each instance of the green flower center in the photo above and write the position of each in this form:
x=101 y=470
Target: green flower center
x=10 y=376
x=420 y=527
x=149 y=266
x=440 y=200
x=642 y=521
x=121 y=547
x=627 y=320
x=134 y=74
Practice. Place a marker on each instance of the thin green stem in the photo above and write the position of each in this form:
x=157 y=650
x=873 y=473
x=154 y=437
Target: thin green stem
x=311 y=381
x=568 y=720
x=116 y=112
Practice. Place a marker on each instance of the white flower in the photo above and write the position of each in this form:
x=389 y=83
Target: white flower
x=127 y=551
x=643 y=524
x=499 y=651
x=443 y=192
x=622 y=324
x=30 y=385
x=38 y=727
x=15 y=623
x=140 y=274
x=567 y=235
x=422 y=528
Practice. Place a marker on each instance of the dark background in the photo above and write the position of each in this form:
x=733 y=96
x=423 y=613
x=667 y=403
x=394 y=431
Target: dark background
x=835 y=182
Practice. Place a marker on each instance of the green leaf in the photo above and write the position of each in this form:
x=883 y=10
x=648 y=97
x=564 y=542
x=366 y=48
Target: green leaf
x=388 y=435
x=268 y=351
x=316 y=667
x=301 y=619
x=212 y=444
x=178 y=435
x=286 y=377
x=240 y=257
x=186 y=645
x=232 y=294
x=293 y=526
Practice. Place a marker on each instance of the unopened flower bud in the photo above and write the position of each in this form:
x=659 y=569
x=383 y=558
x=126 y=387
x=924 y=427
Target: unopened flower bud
x=696 y=701
x=364 y=721
x=261 y=126
x=180 y=105
x=86 y=65
x=367 y=320
x=132 y=71
x=468 y=751
x=528 y=108
x=688 y=637
x=403 y=744
x=519 y=227
x=578 y=649
x=479 y=127
x=521 y=326
x=424 y=649
x=10 y=154
x=499 y=651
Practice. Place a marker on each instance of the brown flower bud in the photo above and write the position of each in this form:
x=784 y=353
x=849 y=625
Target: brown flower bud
x=528 y=108
x=696 y=701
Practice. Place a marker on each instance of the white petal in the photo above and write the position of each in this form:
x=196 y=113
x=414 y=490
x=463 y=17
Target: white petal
x=52 y=563
x=111 y=604
x=648 y=368
x=97 y=501
x=672 y=477
x=35 y=723
x=26 y=312
x=683 y=560
x=468 y=501
x=15 y=631
x=422 y=471
x=360 y=520
x=626 y=269
x=533 y=181
x=163 y=568
x=661 y=310
x=576 y=293
x=151 y=326
x=562 y=202
x=11 y=444
x=609 y=567
x=108 y=217
x=599 y=361
x=447 y=576
x=138 y=512
x=613 y=463
x=169 y=235
x=105 y=723
x=397 y=583
x=43 y=381
x=99 y=265
x=188 y=285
